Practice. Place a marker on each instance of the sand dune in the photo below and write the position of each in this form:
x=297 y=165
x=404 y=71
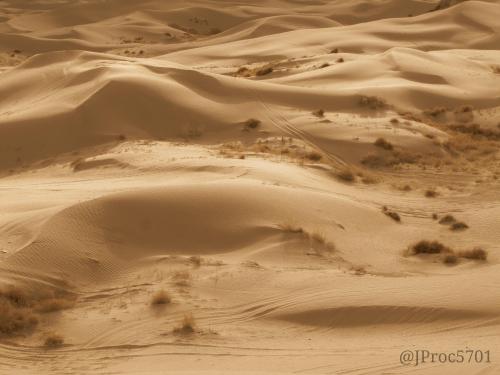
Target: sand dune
x=232 y=186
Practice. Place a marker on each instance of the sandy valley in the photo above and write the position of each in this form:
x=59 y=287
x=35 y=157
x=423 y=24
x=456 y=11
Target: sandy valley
x=255 y=187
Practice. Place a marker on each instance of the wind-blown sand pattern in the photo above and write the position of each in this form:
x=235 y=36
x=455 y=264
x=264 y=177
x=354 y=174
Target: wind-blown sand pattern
x=221 y=187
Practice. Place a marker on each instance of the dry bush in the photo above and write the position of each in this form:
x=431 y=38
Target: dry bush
x=53 y=304
x=393 y=215
x=251 y=124
x=383 y=143
x=394 y=121
x=372 y=102
x=450 y=259
x=429 y=247
x=20 y=309
x=431 y=193
x=264 y=71
x=53 y=341
x=314 y=237
x=314 y=156
x=324 y=65
x=161 y=297
x=15 y=319
x=340 y=60
x=458 y=226
x=358 y=270
x=319 y=113
x=346 y=175
x=195 y=260
x=474 y=254
x=336 y=50
x=435 y=112
x=475 y=131
x=447 y=255
x=447 y=220
x=187 y=326
x=291 y=228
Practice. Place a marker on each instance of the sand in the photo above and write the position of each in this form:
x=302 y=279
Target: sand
x=268 y=165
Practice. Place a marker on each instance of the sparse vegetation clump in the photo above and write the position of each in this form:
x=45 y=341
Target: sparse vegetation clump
x=53 y=341
x=395 y=158
x=445 y=253
x=319 y=113
x=458 y=226
x=314 y=155
x=187 y=325
x=251 y=124
x=474 y=254
x=161 y=297
x=372 y=102
x=264 y=71
x=431 y=193
x=436 y=112
x=20 y=310
x=453 y=223
x=447 y=220
x=392 y=214
x=429 y=247
x=346 y=175
x=383 y=143
x=319 y=242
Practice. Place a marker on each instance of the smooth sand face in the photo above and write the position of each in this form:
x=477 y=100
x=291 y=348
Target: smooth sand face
x=231 y=187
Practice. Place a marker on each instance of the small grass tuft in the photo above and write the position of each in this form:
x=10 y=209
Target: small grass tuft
x=187 y=326
x=345 y=175
x=474 y=254
x=383 y=143
x=53 y=341
x=161 y=297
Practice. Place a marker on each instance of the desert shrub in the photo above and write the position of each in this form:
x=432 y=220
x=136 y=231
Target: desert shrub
x=450 y=259
x=394 y=121
x=447 y=220
x=383 y=143
x=314 y=156
x=429 y=247
x=335 y=50
x=346 y=175
x=324 y=65
x=319 y=113
x=161 y=297
x=436 y=112
x=393 y=215
x=340 y=60
x=15 y=319
x=251 y=124
x=431 y=193
x=53 y=304
x=53 y=341
x=291 y=228
x=474 y=254
x=372 y=102
x=264 y=71
x=458 y=226
x=187 y=325
x=196 y=259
